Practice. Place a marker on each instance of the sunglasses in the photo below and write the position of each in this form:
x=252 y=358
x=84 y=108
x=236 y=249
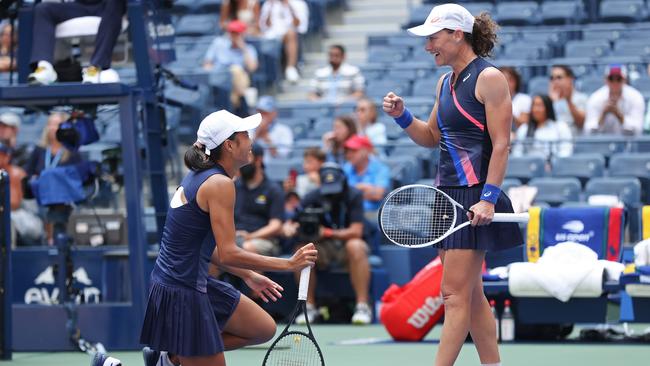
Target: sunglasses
x=616 y=79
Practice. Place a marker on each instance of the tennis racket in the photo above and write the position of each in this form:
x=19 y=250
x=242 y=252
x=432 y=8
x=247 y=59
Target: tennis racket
x=418 y=215
x=294 y=347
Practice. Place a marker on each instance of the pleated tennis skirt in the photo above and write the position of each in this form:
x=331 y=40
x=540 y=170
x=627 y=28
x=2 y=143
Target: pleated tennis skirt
x=187 y=322
x=496 y=236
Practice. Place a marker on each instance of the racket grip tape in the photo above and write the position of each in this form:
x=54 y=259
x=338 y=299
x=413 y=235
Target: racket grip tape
x=303 y=286
x=511 y=217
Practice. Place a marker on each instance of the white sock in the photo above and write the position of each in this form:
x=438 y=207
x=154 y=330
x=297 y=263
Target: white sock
x=491 y=364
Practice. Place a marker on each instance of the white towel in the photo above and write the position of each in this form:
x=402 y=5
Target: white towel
x=642 y=253
x=559 y=272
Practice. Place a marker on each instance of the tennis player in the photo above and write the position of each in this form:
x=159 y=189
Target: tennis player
x=471 y=121
x=186 y=310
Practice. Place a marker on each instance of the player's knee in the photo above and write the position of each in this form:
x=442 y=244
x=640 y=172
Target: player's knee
x=267 y=329
x=454 y=296
x=356 y=249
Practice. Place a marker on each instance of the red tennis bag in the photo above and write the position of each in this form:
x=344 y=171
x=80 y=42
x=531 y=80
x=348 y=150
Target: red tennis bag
x=409 y=312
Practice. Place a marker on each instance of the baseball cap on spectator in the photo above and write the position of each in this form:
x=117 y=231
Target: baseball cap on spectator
x=332 y=179
x=10 y=119
x=236 y=26
x=218 y=126
x=357 y=142
x=616 y=70
x=266 y=103
x=445 y=16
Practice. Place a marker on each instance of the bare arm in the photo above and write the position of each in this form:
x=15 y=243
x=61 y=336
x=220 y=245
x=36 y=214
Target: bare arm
x=217 y=194
x=223 y=14
x=355 y=231
x=273 y=228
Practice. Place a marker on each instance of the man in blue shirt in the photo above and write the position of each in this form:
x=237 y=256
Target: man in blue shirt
x=365 y=172
x=232 y=53
x=259 y=208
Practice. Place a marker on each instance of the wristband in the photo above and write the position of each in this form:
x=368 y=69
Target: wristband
x=405 y=119
x=490 y=193
x=327 y=232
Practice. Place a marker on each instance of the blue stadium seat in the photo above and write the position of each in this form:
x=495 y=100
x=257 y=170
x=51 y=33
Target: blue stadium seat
x=562 y=12
x=208 y=6
x=590 y=83
x=640 y=144
x=526 y=167
x=628 y=190
x=403 y=169
x=590 y=48
x=554 y=191
x=538 y=85
x=603 y=144
x=184 y=6
x=418 y=15
x=197 y=25
x=477 y=8
x=510 y=183
x=517 y=13
x=632 y=47
x=633 y=165
x=379 y=88
x=622 y=10
x=582 y=166
x=277 y=170
x=522 y=50
x=388 y=54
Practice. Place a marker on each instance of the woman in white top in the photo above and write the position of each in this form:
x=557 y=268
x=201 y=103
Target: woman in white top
x=247 y=11
x=548 y=136
x=366 y=113
x=520 y=101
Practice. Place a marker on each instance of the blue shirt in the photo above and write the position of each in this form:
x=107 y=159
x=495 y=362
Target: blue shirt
x=222 y=54
x=376 y=174
x=187 y=242
x=465 y=145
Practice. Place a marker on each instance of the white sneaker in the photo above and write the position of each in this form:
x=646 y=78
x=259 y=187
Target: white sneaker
x=312 y=315
x=291 y=74
x=43 y=75
x=362 y=314
x=95 y=75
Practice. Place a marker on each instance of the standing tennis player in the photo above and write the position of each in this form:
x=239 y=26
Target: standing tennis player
x=471 y=121
x=186 y=310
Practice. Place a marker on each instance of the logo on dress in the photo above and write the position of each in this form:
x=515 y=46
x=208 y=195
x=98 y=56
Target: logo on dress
x=466 y=77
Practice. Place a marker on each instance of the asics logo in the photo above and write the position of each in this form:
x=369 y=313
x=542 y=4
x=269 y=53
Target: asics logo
x=466 y=77
x=487 y=194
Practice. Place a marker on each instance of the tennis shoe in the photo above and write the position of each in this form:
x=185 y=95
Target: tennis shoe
x=291 y=74
x=362 y=314
x=43 y=75
x=101 y=359
x=312 y=314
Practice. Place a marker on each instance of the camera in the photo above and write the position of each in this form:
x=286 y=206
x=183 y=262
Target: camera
x=309 y=222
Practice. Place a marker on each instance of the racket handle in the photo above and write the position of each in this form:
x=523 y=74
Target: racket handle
x=304 y=283
x=511 y=217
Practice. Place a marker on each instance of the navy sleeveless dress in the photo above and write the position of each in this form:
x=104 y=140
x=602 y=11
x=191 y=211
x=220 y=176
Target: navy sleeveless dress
x=186 y=309
x=465 y=150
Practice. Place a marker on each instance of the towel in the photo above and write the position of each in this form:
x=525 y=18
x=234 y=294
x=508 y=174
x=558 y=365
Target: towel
x=642 y=253
x=560 y=272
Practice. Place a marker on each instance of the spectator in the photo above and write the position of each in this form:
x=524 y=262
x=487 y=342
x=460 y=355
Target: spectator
x=283 y=20
x=548 y=135
x=313 y=159
x=50 y=154
x=246 y=11
x=568 y=103
x=365 y=172
x=366 y=113
x=276 y=138
x=27 y=227
x=46 y=17
x=615 y=108
x=9 y=125
x=339 y=81
x=232 y=53
x=259 y=208
x=520 y=102
x=342 y=129
x=6 y=48
x=339 y=237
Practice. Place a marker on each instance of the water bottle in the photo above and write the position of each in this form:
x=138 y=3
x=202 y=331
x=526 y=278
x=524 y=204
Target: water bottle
x=507 y=323
x=496 y=316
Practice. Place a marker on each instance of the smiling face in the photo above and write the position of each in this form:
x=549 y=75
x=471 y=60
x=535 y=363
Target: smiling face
x=444 y=45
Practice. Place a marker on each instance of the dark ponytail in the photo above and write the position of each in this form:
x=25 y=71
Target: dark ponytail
x=484 y=35
x=197 y=160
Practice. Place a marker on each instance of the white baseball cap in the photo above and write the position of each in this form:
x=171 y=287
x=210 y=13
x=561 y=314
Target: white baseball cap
x=10 y=119
x=445 y=16
x=218 y=126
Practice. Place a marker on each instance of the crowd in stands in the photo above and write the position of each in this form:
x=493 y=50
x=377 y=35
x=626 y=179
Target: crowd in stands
x=343 y=161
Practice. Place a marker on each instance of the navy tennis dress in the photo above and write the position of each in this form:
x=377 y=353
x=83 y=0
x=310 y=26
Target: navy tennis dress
x=465 y=150
x=187 y=309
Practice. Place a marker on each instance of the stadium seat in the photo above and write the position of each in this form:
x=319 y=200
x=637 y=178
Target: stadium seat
x=562 y=12
x=582 y=166
x=590 y=83
x=603 y=144
x=379 y=88
x=590 y=48
x=628 y=190
x=517 y=13
x=632 y=47
x=477 y=8
x=277 y=170
x=622 y=10
x=197 y=25
x=208 y=6
x=538 y=85
x=526 y=167
x=510 y=183
x=554 y=191
x=640 y=144
x=633 y=165
x=388 y=54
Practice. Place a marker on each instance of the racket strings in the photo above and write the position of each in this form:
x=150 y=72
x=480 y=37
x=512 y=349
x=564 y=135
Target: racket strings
x=294 y=349
x=417 y=215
